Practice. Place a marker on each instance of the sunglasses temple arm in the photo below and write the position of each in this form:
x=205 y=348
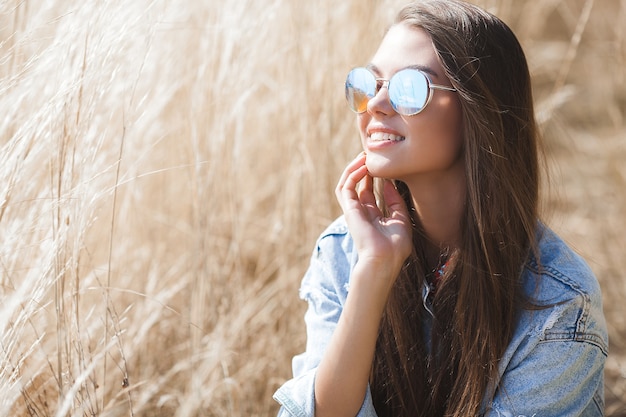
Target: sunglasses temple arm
x=441 y=87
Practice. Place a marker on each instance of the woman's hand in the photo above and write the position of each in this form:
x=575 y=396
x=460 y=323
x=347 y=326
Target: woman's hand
x=382 y=242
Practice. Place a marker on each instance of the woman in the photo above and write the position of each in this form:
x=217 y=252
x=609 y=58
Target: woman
x=460 y=302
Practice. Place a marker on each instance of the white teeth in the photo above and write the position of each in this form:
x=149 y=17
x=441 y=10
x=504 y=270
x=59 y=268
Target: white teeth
x=382 y=136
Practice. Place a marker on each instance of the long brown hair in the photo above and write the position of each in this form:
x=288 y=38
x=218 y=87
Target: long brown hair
x=476 y=302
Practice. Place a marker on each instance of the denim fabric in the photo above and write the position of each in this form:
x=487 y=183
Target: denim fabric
x=553 y=366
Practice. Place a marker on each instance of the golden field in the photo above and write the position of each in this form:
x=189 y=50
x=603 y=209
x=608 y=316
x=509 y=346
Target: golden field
x=165 y=168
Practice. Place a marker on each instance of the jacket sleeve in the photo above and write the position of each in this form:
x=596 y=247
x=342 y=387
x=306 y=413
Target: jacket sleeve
x=558 y=368
x=562 y=378
x=324 y=287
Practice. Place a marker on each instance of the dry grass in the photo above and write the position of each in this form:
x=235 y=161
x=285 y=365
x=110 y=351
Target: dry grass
x=166 y=167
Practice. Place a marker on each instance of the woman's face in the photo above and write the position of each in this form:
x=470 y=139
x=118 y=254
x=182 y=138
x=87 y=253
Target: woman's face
x=427 y=145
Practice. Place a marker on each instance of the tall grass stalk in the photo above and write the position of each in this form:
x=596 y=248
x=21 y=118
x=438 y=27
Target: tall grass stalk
x=166 y=167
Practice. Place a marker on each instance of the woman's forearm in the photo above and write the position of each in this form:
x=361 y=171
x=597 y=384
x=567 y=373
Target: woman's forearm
x=343 y=374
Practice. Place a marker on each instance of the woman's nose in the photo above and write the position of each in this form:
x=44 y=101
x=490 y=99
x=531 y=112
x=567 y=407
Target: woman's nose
x=379 y=104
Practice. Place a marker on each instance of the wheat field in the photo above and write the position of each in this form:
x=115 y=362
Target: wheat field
x=165 y=168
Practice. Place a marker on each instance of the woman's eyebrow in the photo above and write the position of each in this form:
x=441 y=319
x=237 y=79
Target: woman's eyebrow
x=423 y=68
x=373 y=68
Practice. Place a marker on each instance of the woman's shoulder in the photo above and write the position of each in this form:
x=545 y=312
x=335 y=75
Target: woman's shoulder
x=335 y=240
x=337 y=227
x=561 y=270
x=566 y=293
x=332 y=260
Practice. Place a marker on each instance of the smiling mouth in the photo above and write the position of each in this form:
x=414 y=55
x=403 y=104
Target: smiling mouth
x=382 y=137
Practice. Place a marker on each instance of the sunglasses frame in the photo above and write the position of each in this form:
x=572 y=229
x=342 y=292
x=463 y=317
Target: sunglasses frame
x=385 y=84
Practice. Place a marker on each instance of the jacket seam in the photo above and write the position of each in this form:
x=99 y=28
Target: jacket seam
x=289 y=405
x=581 y=321
x=585 y=338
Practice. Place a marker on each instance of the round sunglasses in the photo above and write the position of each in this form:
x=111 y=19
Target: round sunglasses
x=409 y=90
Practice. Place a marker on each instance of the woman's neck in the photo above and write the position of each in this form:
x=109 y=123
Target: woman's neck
x=439 y=204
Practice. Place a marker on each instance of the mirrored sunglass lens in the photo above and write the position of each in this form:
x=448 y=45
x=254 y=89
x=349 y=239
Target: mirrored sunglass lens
x=408 y=91
x=360 y=88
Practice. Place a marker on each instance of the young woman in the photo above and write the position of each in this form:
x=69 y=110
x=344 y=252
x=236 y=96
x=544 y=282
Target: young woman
x=440 y=293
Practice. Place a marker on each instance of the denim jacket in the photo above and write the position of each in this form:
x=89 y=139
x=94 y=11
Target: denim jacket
x=553 y=366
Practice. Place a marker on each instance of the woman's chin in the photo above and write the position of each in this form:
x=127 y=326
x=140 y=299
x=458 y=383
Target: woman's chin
x=379 y=170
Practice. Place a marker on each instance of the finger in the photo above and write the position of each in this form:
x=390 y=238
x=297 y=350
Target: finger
x=394 y=201
x=366 y=191
x=354 y=164
x=350 y=177
x=349 y=189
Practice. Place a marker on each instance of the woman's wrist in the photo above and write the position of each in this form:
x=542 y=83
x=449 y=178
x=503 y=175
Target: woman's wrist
x=374 y=277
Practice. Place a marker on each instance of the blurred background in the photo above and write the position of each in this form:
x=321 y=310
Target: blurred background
x=166 y=167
